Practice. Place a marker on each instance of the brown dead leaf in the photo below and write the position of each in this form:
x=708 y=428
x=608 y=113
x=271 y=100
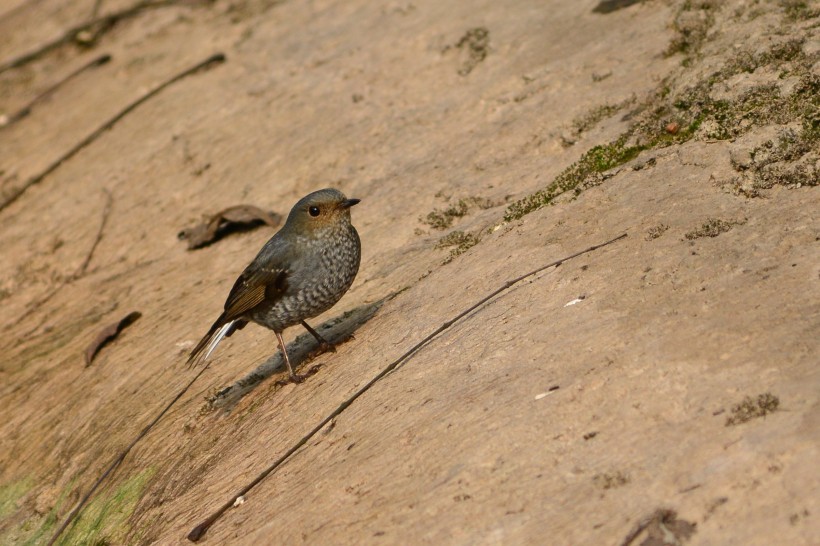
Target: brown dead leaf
x=230 y=220
x=661 y=528
x=108 y=333
x=608 y=6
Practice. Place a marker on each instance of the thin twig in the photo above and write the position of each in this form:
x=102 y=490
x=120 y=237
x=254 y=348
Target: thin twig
x=26 y=110
x=15 y=194
x=105 y=214
x=660 y=514
x=96 y=24
x=198 y=531
x=96 y=9
x=78 y=273
x=120 y=458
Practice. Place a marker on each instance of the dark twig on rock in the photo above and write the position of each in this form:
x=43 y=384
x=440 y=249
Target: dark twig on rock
x=93 y=28
x=78 y=273
x=105 y=214
x=95 y=11
x=108 y=334
x=26 y=110
x=16 y=193
x=662 y=525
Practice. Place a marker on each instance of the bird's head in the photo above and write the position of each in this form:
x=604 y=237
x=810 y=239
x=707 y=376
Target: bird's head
x=320 y=211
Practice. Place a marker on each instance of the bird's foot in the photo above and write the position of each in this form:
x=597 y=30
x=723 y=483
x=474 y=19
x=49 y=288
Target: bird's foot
x=295 y=378
x=298 y=377
x=321 y=349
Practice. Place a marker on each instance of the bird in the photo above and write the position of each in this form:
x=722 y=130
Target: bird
x=301 y=272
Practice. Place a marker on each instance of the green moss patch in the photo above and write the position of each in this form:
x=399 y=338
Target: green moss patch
x=578 y=176
x=442 y=219
x=458 y=242
x=673 y=116
x=799 y=10
x=104 y=521
x=692 y=22
x=712 y=228
x=752 y=408
x=10 y=494
x=476 y=42
x=610 y=480
x=592 y=118
x=656 y=231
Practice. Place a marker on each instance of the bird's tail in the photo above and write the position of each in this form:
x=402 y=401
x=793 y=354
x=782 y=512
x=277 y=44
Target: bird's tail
x=207 y=344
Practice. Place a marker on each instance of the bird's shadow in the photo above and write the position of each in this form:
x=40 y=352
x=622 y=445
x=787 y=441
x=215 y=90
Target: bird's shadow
x=301 y=351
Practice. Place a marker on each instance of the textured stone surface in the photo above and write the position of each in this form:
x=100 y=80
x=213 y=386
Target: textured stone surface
x=412 y=107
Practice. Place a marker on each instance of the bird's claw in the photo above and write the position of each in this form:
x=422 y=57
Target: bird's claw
x=298 y=378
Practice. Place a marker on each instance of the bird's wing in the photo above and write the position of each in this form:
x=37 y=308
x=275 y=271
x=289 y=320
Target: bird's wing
x=262 y=280
x=255 y=285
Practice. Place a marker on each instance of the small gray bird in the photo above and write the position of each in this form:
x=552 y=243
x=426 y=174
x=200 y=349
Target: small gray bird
x=302 y=271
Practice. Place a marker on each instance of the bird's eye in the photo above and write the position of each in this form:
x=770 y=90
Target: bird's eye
x=314 y=211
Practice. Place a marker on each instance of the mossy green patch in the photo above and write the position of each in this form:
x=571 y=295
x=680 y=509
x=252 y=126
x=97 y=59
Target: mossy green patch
x=103 y=521
x=602 y=158
x=458 y=242
x=11 y=493
x=589 y=120
x=712 y=228
x=698 y=113
x=747 y=61
x=786 y=160
x=43 y=532
x=577 y=176
x=692 y=23
x=610 y=480
x=694 y=112
x=35 y=529
x=656 y=231
x=799 y=10
x=477 y=43
x=751 y=408
x=441 y=219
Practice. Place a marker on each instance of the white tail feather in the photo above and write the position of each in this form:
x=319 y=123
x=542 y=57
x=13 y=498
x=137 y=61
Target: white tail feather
x=216 y=339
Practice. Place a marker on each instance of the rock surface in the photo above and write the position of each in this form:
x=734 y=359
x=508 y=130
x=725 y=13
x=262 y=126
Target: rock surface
x=485 y=139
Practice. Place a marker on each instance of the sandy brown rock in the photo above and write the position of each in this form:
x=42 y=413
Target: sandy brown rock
x=468 y=442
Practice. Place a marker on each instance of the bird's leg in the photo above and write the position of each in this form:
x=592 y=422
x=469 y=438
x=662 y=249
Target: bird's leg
x=296 y=378
x=324 y=345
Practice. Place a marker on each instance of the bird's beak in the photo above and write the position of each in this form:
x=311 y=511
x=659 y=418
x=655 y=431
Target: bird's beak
x=347 y=203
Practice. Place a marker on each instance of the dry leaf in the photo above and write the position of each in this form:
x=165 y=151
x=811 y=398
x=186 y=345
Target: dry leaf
x=108 y=333
x=608 y=6
x=232 y=219
x=661 y=528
